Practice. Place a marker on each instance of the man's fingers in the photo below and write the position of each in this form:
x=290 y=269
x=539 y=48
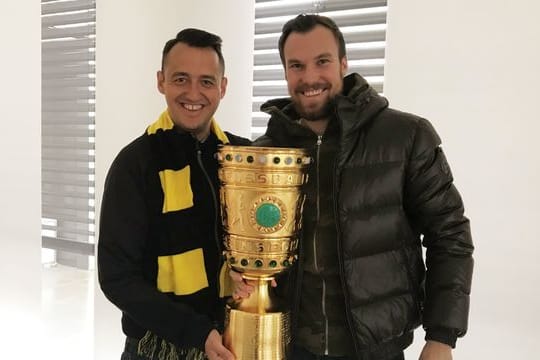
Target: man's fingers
x=239 y=294
x=236 y=276
x=246 y=287
x=222 y=353
x=214 y=348
x=226 y=354
x=243 y=288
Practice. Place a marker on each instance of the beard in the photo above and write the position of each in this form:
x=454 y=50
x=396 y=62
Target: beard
x=321 y=112
x=315 y=112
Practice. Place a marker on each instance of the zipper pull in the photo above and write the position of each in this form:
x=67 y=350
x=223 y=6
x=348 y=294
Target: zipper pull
x=319 y=140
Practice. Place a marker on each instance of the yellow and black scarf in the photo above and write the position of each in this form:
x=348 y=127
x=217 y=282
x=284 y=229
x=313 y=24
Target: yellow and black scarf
x=174 y=264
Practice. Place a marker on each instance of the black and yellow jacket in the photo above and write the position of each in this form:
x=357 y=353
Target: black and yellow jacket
x=159 y=250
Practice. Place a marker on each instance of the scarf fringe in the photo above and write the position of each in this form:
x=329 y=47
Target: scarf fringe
x=148 y=347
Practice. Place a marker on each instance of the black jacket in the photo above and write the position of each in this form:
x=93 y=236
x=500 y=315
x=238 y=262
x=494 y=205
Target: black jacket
x=159 y=250
x=394 y=192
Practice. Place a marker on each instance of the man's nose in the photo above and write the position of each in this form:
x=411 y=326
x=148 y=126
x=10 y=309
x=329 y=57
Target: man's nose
x=311 y=75
x=193 y=90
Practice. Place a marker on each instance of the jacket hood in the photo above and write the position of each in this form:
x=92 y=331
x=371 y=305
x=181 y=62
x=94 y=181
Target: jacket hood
x=356 y=106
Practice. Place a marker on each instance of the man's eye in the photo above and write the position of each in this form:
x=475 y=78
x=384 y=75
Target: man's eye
x=323 y=61
x=180 y=80
x=208 y=83
x=295 y=66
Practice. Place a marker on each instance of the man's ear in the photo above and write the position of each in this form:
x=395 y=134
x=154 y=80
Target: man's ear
x=344 y=65
x=223 y=86
x=160 y=77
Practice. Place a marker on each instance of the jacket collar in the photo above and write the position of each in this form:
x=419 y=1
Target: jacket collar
x=164 y=122
x=358 y=104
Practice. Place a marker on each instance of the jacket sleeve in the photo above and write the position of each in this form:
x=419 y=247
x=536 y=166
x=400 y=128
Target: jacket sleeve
x=263 y=140
x=238 y=140
x=436 y=210
x=123 y=240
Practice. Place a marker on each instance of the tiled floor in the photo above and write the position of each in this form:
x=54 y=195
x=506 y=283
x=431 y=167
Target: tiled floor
x=68 y=313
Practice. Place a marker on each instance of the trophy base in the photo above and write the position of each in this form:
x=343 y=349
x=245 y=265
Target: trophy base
x=253 y=336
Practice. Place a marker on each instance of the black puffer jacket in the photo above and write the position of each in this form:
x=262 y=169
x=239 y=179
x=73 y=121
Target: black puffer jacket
x=394 y=192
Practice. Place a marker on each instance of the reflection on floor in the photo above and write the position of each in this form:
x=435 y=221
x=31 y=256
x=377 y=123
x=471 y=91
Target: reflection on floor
x=68 y=313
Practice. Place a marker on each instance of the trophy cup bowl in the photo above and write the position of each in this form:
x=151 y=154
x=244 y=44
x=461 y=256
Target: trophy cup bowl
x=261 y=206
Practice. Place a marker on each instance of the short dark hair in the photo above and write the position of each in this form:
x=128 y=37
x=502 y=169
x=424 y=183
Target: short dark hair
x=195 y=38
x=304 y=23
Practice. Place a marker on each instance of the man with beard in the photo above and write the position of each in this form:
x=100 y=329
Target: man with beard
x=379 y=188
x=159 y=250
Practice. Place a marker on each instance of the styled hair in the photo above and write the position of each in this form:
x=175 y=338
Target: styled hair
x=195 y=38
x=304 y=23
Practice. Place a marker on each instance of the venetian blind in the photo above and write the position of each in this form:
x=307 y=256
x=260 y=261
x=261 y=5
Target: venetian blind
x=363 y=23
x=68 y=101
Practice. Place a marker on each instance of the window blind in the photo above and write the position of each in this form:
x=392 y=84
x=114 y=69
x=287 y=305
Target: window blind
x=68 y=110
x=363 y=23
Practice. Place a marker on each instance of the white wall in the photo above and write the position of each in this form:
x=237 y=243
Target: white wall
x=20 y=174
x=130 y=38
x=472 y=68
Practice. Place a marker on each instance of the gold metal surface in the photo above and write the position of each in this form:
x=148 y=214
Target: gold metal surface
x=261 y=202
x=257 y=336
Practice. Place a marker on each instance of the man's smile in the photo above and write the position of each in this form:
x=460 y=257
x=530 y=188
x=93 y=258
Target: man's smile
x=191 y=107
x=310 y=93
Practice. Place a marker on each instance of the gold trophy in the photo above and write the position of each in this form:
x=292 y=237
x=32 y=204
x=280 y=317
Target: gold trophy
x=261 y=202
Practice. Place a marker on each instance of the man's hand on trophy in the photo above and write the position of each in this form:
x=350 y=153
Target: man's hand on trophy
x=242 y=288
x=214 y=349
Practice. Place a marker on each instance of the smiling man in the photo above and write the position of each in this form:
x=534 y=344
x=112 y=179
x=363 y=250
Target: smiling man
x=379 y=188
x=314 y=76
x=159 y=250
x=193 y=82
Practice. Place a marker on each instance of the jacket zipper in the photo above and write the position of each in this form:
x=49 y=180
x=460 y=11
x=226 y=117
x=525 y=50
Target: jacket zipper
x=216 y=214
x=340 y=258
x=316 y=264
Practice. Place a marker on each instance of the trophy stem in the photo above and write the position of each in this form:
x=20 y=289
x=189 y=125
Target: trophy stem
x=261 y=301
x=257 y=328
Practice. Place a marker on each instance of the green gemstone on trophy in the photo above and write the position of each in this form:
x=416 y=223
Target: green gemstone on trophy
x=286 y=263
x=244 y=262
x=258 y=263
x=268 y=215
x=273 y=263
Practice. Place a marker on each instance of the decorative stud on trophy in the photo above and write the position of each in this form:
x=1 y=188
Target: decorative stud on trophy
x=261 y=202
